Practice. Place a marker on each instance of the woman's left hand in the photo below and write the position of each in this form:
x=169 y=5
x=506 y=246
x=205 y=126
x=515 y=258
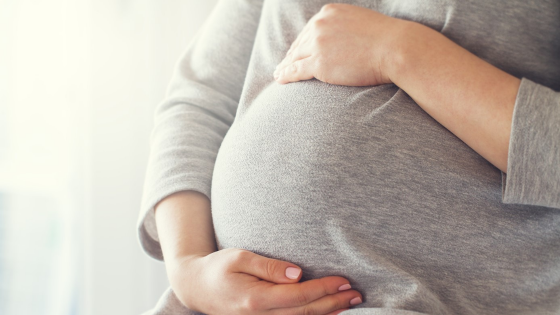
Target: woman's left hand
x=342 y=44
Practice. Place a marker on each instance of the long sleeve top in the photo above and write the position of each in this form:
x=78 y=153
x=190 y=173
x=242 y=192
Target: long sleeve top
x=360 y=182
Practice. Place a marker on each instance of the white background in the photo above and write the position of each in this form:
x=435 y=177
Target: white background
x=79 y=80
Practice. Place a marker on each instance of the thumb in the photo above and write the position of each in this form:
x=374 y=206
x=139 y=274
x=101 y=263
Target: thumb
x=268 y=269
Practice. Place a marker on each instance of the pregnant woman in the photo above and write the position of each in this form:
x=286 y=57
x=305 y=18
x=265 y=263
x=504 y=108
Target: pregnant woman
x=372 y=157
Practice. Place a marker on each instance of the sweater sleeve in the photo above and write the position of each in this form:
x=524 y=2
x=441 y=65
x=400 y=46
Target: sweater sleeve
x=533 y=171
x=199 y=107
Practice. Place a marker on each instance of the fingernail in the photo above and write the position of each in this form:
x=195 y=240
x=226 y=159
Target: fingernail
x=275 y=74
x=344 y=287
x=292 y=273
x=355 y=301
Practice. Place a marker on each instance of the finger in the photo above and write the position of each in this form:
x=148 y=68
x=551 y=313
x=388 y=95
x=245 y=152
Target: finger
x=325 y=305
x=302 y=40
x=338 y=312
x=268 y=269
x=303 y=33
x=300 y=48
x=301 y=51
x=302 y=69
x=299 y=294
x=295 y=43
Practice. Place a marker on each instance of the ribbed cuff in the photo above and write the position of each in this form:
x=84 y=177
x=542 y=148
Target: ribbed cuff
x=533 y=171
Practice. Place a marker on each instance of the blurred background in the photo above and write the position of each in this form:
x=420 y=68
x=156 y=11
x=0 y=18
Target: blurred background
x=79 y=81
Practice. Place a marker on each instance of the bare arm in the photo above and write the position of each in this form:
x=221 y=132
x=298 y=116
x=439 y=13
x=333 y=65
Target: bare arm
x=243 y=282
x=184 y=224
x=470 y=97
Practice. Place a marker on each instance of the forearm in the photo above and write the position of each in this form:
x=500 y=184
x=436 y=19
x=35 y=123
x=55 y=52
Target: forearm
x=184 y=224
x=470 y=97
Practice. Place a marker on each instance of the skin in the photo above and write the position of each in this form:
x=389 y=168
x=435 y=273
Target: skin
x=353 y=46
x=350 y=45
x=243 y=282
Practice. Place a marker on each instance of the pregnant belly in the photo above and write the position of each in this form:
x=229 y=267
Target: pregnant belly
x=293 y=165
x=361 y=183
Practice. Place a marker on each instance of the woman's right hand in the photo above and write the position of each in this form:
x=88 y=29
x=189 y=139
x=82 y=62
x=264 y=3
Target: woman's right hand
x=235 y=281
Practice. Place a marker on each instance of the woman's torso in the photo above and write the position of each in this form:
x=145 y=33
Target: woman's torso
x=360 y=182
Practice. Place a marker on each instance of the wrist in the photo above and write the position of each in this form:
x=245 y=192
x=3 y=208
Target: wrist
x=183 y=273
x=412 y=41
x=179 y=261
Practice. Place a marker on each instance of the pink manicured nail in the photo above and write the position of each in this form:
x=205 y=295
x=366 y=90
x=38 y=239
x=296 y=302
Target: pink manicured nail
x=355 y=301
x=292 y=273
x=344 y=287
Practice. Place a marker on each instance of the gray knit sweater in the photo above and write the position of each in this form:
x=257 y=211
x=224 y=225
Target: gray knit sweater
x=360 y=182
